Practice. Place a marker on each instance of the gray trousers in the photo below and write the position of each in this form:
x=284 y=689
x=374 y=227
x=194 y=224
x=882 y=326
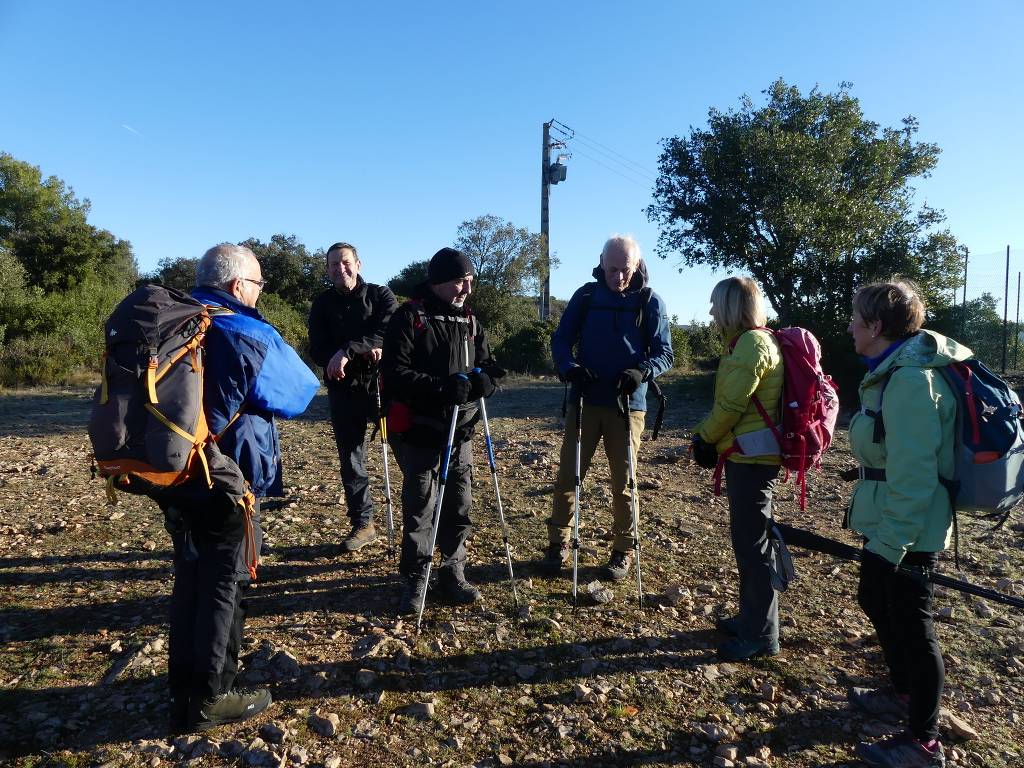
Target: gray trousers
x=421 y=466
x=749 y=488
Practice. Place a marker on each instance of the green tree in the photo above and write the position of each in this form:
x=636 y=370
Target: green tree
x=177 y=272
x=45 y=227
x=807 y=196
x=291 y=271
x=405 y=282
x=504 y=256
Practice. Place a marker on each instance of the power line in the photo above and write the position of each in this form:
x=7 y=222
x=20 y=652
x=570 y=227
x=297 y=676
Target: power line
x=610 y=168
x=647 y=171
x=611 y=158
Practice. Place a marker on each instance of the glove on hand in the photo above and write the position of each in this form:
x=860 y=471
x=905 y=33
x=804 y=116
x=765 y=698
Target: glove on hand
x=495 y=372
x=580 y=376
x=704 y=453
x=456 y=389
x=480 y=385
x=630 y=380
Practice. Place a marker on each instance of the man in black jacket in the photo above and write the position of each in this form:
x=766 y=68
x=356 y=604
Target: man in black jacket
x=346 y=329
x=436 y=358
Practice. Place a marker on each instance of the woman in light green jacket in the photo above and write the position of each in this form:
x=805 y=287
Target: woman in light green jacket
x=751 y=365
x=902 y=508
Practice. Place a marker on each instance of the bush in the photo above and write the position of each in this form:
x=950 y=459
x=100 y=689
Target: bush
x=528 y=350
x=680 y=347
x=289 y=322
x=705 y=345
x=44 y=359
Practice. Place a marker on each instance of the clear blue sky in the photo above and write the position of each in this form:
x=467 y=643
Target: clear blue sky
x=388 y=124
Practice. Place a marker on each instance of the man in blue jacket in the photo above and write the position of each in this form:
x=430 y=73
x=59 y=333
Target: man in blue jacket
x=251 y=375
x=612 y=339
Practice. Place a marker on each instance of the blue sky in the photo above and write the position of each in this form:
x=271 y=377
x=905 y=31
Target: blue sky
x=388 y=124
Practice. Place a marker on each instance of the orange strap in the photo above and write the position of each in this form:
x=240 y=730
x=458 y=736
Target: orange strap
x=151 y=379
x=248 y=502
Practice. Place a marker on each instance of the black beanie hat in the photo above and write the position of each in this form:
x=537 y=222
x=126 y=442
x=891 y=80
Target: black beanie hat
x=448 y=264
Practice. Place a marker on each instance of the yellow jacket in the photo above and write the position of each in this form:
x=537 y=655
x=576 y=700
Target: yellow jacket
x=754 y=366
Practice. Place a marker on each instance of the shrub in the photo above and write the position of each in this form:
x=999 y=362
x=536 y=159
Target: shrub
x=528 y=350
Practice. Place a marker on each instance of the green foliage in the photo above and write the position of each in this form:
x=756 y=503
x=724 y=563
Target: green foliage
x=705 y=344
x=528 y=349
x=680 y=346
x=44 y=225
x=807 y=196
x=978 y=326
x=500 y=313
x=412 y=275
x=177 y=273
x=290 y=322
x=506 y=257
x=291 y=272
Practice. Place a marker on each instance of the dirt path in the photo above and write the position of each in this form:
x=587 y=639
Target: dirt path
x=84 y=587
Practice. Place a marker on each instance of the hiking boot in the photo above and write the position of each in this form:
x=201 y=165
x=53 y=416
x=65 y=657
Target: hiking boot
x=738 y=649
x=728 y=625
x=454 y=588
x=902 y=751
x=619 y=565
x=231 y=707
x=412 y=594
x=361 y=536
x=557 y=556
x=878 y=701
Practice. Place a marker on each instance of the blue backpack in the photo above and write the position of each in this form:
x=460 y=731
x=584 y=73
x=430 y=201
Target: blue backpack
x=989 y=450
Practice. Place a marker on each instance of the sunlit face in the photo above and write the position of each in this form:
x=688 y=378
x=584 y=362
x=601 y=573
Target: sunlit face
x=455 y=291
x=249 y=287
x=343 y=268
x=866 y=339
x=618 y=266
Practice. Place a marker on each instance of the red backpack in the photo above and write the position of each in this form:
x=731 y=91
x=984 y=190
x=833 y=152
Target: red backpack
x=809 y=407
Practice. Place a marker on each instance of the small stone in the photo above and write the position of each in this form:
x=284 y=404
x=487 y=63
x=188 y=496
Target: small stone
x=418 y=709
x=149 y=545
x=768 y=691
x=945 y=613
x=204 y=747
x=298 y=755
x=599 y=593
x=115 y=647
x=231 y=748
x=581 y=692
x=332 y=762
x=504 y=759
x=728 y=751
x=722 y=762
x=325 y=725
x=526 y=671
x=365 y=678
x=284 y=664
x=959 y=727
x=272 y=733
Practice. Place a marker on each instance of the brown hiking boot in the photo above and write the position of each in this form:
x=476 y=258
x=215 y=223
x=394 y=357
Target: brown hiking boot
x=361 y=536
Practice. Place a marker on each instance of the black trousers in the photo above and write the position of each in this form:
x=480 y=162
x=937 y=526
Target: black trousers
x=421 y=466
x=749 y=488
x=351 y=412
x=899 y=606
x=208 y=606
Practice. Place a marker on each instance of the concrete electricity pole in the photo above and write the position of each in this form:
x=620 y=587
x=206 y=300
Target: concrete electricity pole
x=550 y=173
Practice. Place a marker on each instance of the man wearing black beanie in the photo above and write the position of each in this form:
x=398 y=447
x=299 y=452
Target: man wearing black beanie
x=436 y=358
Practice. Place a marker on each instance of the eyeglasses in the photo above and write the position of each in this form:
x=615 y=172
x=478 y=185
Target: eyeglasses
x=261 y=283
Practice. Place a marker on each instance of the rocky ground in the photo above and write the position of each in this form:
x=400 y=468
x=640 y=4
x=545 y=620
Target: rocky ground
x=84 y=594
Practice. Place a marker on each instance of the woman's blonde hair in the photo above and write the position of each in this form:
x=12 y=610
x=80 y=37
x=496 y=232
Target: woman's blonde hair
x=737 y=304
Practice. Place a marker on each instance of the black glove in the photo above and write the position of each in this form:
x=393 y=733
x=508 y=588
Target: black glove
x=630 y=380
x=456 y=389
x=480 y=385
x=580 y=376
x=495 y=372
x=704 y=453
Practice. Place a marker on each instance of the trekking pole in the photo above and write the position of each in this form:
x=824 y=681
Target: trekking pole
x=633 y=504
x=441 y=480
x=382 y=423
x=497 y=496
x=576 y=505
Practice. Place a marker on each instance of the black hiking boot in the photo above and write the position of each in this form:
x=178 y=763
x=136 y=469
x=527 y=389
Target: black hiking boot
x=619 y=565
x=728 y=625
x=231 y=707
x=557 y=556
x=454 y=588
x=412 y=594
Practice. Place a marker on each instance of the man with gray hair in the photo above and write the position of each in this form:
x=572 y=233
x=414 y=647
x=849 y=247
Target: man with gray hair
x=250 y=376
x=613 y=338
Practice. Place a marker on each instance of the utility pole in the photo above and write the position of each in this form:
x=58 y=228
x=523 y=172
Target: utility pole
x=967 y=253
x=550 y=173
x=1006 y=306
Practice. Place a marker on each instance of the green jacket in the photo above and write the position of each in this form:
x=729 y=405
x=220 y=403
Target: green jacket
x=754 y=366
x=910 y=511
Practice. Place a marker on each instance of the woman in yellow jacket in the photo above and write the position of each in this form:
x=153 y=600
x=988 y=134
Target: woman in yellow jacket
x=751 y=365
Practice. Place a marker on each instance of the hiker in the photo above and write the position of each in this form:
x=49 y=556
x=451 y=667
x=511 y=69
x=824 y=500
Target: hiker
x=612 y=339
x=251 y=375
x=436 y=359
x=751 y=365
x=902 y=508
x=346 y=331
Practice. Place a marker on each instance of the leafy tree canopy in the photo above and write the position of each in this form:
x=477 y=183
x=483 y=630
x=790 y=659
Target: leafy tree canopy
x=808 y=197
x=504 y=256
x=291 y=271
x=45 y=227
x=411 y=275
